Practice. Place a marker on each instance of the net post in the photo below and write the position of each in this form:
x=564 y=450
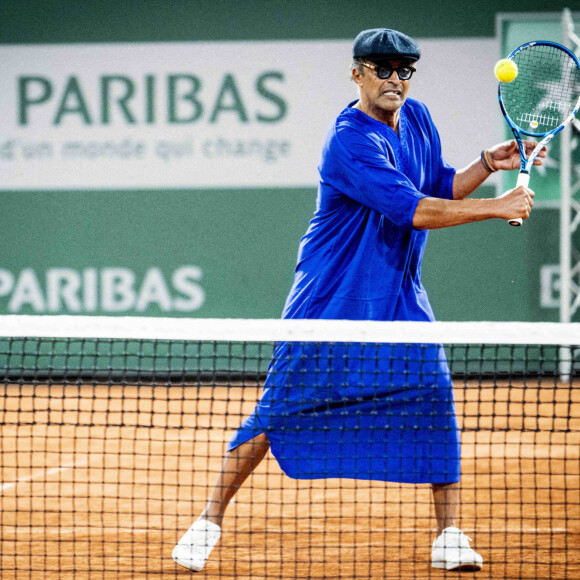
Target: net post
x=565 y=366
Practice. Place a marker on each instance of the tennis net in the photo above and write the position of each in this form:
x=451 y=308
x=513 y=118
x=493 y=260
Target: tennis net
x=113 y=432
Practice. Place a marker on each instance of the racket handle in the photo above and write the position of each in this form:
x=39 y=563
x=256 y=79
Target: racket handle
x=523 y=179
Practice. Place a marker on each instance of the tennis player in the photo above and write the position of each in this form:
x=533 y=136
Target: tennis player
x=381 y=412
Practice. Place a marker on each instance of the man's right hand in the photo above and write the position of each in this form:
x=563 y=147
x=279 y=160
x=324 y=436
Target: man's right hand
x=516 y=203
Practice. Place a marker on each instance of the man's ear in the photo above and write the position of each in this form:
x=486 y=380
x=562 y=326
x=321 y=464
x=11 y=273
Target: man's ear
x=356 y=76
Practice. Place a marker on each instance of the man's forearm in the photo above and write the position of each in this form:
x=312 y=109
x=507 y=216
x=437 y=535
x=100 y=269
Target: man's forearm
x=468 y=179
x=432 y=213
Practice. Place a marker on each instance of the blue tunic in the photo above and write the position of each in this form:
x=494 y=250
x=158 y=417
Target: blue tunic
x=373 y=411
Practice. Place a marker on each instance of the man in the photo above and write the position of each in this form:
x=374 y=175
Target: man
x=343 y=410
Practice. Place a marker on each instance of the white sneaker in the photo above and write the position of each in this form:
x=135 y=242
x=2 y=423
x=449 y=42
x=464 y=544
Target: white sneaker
x=194 y=548
x=451 y=551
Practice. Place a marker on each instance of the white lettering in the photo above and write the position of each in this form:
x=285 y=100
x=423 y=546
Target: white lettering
x=90 y=290
x=550 y=286
x=27 y=291
x=105 y=290
x=184 y=281
x=63 y=284
x=153 y=291
x=6 y=282
x=117 y=289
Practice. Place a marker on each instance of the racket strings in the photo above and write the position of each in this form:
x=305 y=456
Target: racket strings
x=545 y=91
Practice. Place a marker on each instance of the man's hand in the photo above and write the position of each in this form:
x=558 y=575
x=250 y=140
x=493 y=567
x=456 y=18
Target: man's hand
x=507 y=155
x=516 y=203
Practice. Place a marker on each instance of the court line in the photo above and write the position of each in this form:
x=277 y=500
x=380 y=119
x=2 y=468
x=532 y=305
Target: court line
x=484 y=530
x=510 y=530
x=40 y=474
x=92 y=531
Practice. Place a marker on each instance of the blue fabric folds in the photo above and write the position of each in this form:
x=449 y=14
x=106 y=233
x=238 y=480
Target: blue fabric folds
x=382 y=412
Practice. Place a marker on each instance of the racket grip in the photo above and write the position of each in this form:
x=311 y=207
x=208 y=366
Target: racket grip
x=523 y=179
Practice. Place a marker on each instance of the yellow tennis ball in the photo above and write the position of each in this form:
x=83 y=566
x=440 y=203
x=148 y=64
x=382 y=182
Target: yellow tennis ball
x=505 y=70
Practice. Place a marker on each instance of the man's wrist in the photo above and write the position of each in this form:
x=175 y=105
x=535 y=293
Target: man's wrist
x=487 y=162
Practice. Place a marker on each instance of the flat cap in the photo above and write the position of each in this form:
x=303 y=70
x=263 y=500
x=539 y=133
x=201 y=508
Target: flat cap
x=384 y=43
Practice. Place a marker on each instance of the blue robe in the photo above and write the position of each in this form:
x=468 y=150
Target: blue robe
x=382 y=412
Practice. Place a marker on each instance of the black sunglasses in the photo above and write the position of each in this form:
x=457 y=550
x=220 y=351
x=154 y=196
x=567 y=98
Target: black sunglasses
x=404 y=71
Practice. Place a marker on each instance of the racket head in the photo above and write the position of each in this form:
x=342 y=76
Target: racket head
x=546 y=91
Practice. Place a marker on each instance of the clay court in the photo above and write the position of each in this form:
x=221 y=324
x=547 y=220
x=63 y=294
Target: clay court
x=100 y=482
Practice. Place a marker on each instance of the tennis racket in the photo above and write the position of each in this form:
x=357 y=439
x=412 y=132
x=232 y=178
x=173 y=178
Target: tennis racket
x=541 y=100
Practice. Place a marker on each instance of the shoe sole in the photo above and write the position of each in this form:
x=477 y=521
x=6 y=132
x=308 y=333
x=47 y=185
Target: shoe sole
x=188 y=565
x=457 y=567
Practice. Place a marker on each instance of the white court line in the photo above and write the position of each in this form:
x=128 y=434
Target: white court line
x=94 y=531
x=509 y=530
x=40 y=474
x=80 y=529
x=484 y=530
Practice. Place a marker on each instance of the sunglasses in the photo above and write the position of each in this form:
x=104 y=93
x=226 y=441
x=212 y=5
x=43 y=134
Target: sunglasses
x=404 y=72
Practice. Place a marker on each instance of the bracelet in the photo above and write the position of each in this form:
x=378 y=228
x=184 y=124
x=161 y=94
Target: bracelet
x=486 y=161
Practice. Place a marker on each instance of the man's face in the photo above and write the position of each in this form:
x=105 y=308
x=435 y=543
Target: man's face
x=386 y=95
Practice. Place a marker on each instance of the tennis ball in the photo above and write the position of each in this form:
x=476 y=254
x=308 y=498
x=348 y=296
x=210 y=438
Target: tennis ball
x=505 y=70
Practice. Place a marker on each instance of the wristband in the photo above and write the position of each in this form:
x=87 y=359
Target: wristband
x=486 y=161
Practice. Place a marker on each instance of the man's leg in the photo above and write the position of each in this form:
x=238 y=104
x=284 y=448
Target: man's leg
x=451 y=549
x=194 y=548
x=237 y=465
x=446 y=499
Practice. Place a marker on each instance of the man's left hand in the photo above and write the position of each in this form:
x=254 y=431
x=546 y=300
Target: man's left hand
x=507 y=155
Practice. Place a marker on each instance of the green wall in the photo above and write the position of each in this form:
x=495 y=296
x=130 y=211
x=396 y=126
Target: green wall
x=245 y=242
x=37 y=21
x=491 y=271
